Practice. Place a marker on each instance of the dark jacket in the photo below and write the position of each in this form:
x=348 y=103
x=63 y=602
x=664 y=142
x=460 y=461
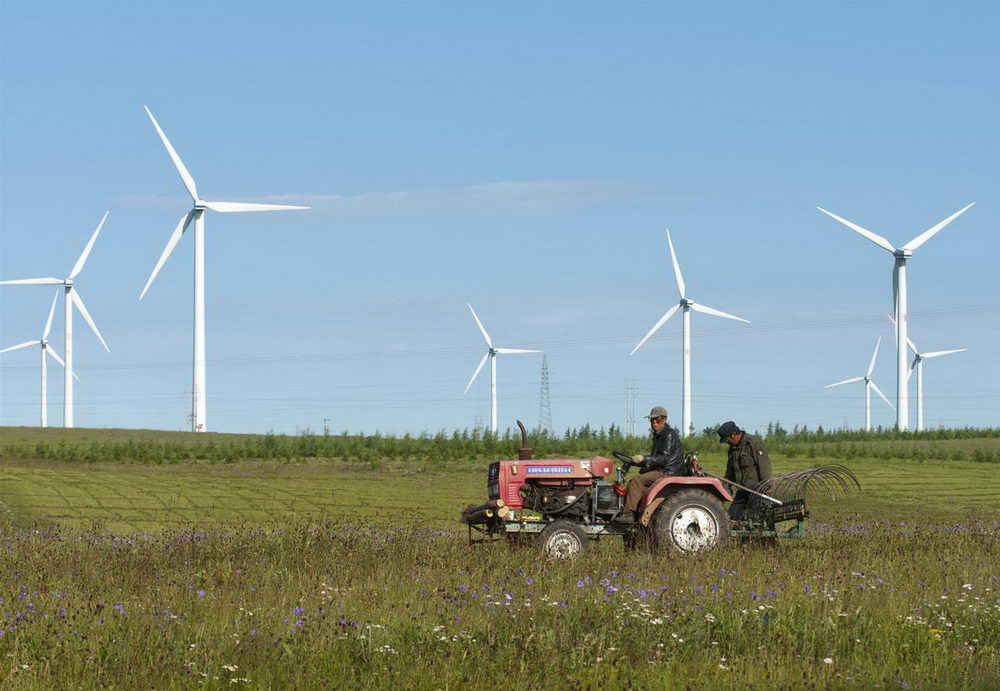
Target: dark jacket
x=667 y=455
x=748 y=463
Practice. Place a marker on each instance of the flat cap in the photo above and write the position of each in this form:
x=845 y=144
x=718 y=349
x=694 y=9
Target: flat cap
x=726 y=429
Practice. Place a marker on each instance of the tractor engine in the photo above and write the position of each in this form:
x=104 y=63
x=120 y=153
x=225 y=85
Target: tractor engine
x=547 y=486
x=561 y=498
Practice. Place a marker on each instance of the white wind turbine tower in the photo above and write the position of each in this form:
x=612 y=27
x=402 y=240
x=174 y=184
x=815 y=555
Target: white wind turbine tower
x=197 y=214
x=918 y=364
x=47 y=351
x=869 y=385
x=72 y=299
x=899 y=300
x=685 y=304
x=491 y=355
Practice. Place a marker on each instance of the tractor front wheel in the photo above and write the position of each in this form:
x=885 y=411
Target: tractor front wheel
x=689 y=521
x=563 y=540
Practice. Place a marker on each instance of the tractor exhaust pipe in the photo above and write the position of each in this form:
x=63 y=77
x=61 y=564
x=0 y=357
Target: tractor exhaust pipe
x=524 y=453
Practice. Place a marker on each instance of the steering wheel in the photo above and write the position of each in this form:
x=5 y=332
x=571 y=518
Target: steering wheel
x=623 y=457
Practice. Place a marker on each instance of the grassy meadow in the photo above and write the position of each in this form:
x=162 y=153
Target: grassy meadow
x=166 y=560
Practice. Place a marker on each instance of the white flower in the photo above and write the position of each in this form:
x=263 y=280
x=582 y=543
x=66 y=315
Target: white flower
x=827 y=660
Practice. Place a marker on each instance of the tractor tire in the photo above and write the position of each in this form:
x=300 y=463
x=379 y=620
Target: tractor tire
x=563 y=540
x=690 y=521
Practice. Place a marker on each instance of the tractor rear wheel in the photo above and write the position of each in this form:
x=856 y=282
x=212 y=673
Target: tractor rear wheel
x=689 y=521
x=563 y=540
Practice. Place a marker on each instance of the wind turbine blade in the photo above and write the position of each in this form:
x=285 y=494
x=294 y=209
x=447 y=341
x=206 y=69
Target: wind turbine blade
x=677 y=267
x=86 y=250
x=20 y=345
x=52 y=311
x=871 y=365
x=178 y=163
x=657 y=325
x=34 y=282
x=708 y=310
x=476 y=373
x=512 y=351
x=909 y=341
x=939 y=353
x=171 y=243
x=846 y=381
x=481 y=327
x=930 y=232
x=78 y=301
x=879 y=392
x=228 y=207
x=55 y=356
x=877 y=239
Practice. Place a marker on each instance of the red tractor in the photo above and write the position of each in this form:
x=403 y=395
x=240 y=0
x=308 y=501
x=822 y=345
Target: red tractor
x=564 y=504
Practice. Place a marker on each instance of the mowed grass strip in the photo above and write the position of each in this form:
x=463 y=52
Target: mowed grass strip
x=125 y=498
x=134 y=496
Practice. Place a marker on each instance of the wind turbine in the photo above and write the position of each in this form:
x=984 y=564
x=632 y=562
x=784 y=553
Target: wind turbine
x=47 y=352
x=899 y=299
x=869 y=385
x=686 y=304
x=72 y=298
x=491 y=355
x=197 y=214
x=918 y=365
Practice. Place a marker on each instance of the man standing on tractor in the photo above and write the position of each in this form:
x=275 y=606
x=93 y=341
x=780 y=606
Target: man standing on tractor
x=666 y=458
x=748 y=464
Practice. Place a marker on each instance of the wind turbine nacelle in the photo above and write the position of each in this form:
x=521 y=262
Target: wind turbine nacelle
x=903 y=254
x=199 y=205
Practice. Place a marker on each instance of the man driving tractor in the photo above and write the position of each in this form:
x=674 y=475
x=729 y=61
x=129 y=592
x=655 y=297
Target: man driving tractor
x=666 y=458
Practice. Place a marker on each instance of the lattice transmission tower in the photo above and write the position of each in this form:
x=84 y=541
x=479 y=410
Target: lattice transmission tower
x=545 y=406
x=631 y=395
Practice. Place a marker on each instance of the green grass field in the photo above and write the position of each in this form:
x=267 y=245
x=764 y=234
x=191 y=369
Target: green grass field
x=223 y=570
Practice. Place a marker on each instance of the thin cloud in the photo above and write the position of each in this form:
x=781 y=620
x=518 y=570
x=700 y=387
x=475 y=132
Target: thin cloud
x=511 y=198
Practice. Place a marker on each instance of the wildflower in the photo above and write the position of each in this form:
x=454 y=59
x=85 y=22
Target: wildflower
x=464 y=588
x=298 y=610
x=200 y=592
x=528 y=580
x=827 y=660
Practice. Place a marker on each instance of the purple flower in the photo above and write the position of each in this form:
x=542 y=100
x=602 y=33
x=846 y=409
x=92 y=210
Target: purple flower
x=463 y=587
x=527 y=579
x=806 y=589
x=579 y=584
x=200 y=593
x=300 y=622
x=298 y=610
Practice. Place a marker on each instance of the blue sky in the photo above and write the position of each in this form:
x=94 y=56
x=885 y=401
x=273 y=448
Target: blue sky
x=525 y=157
